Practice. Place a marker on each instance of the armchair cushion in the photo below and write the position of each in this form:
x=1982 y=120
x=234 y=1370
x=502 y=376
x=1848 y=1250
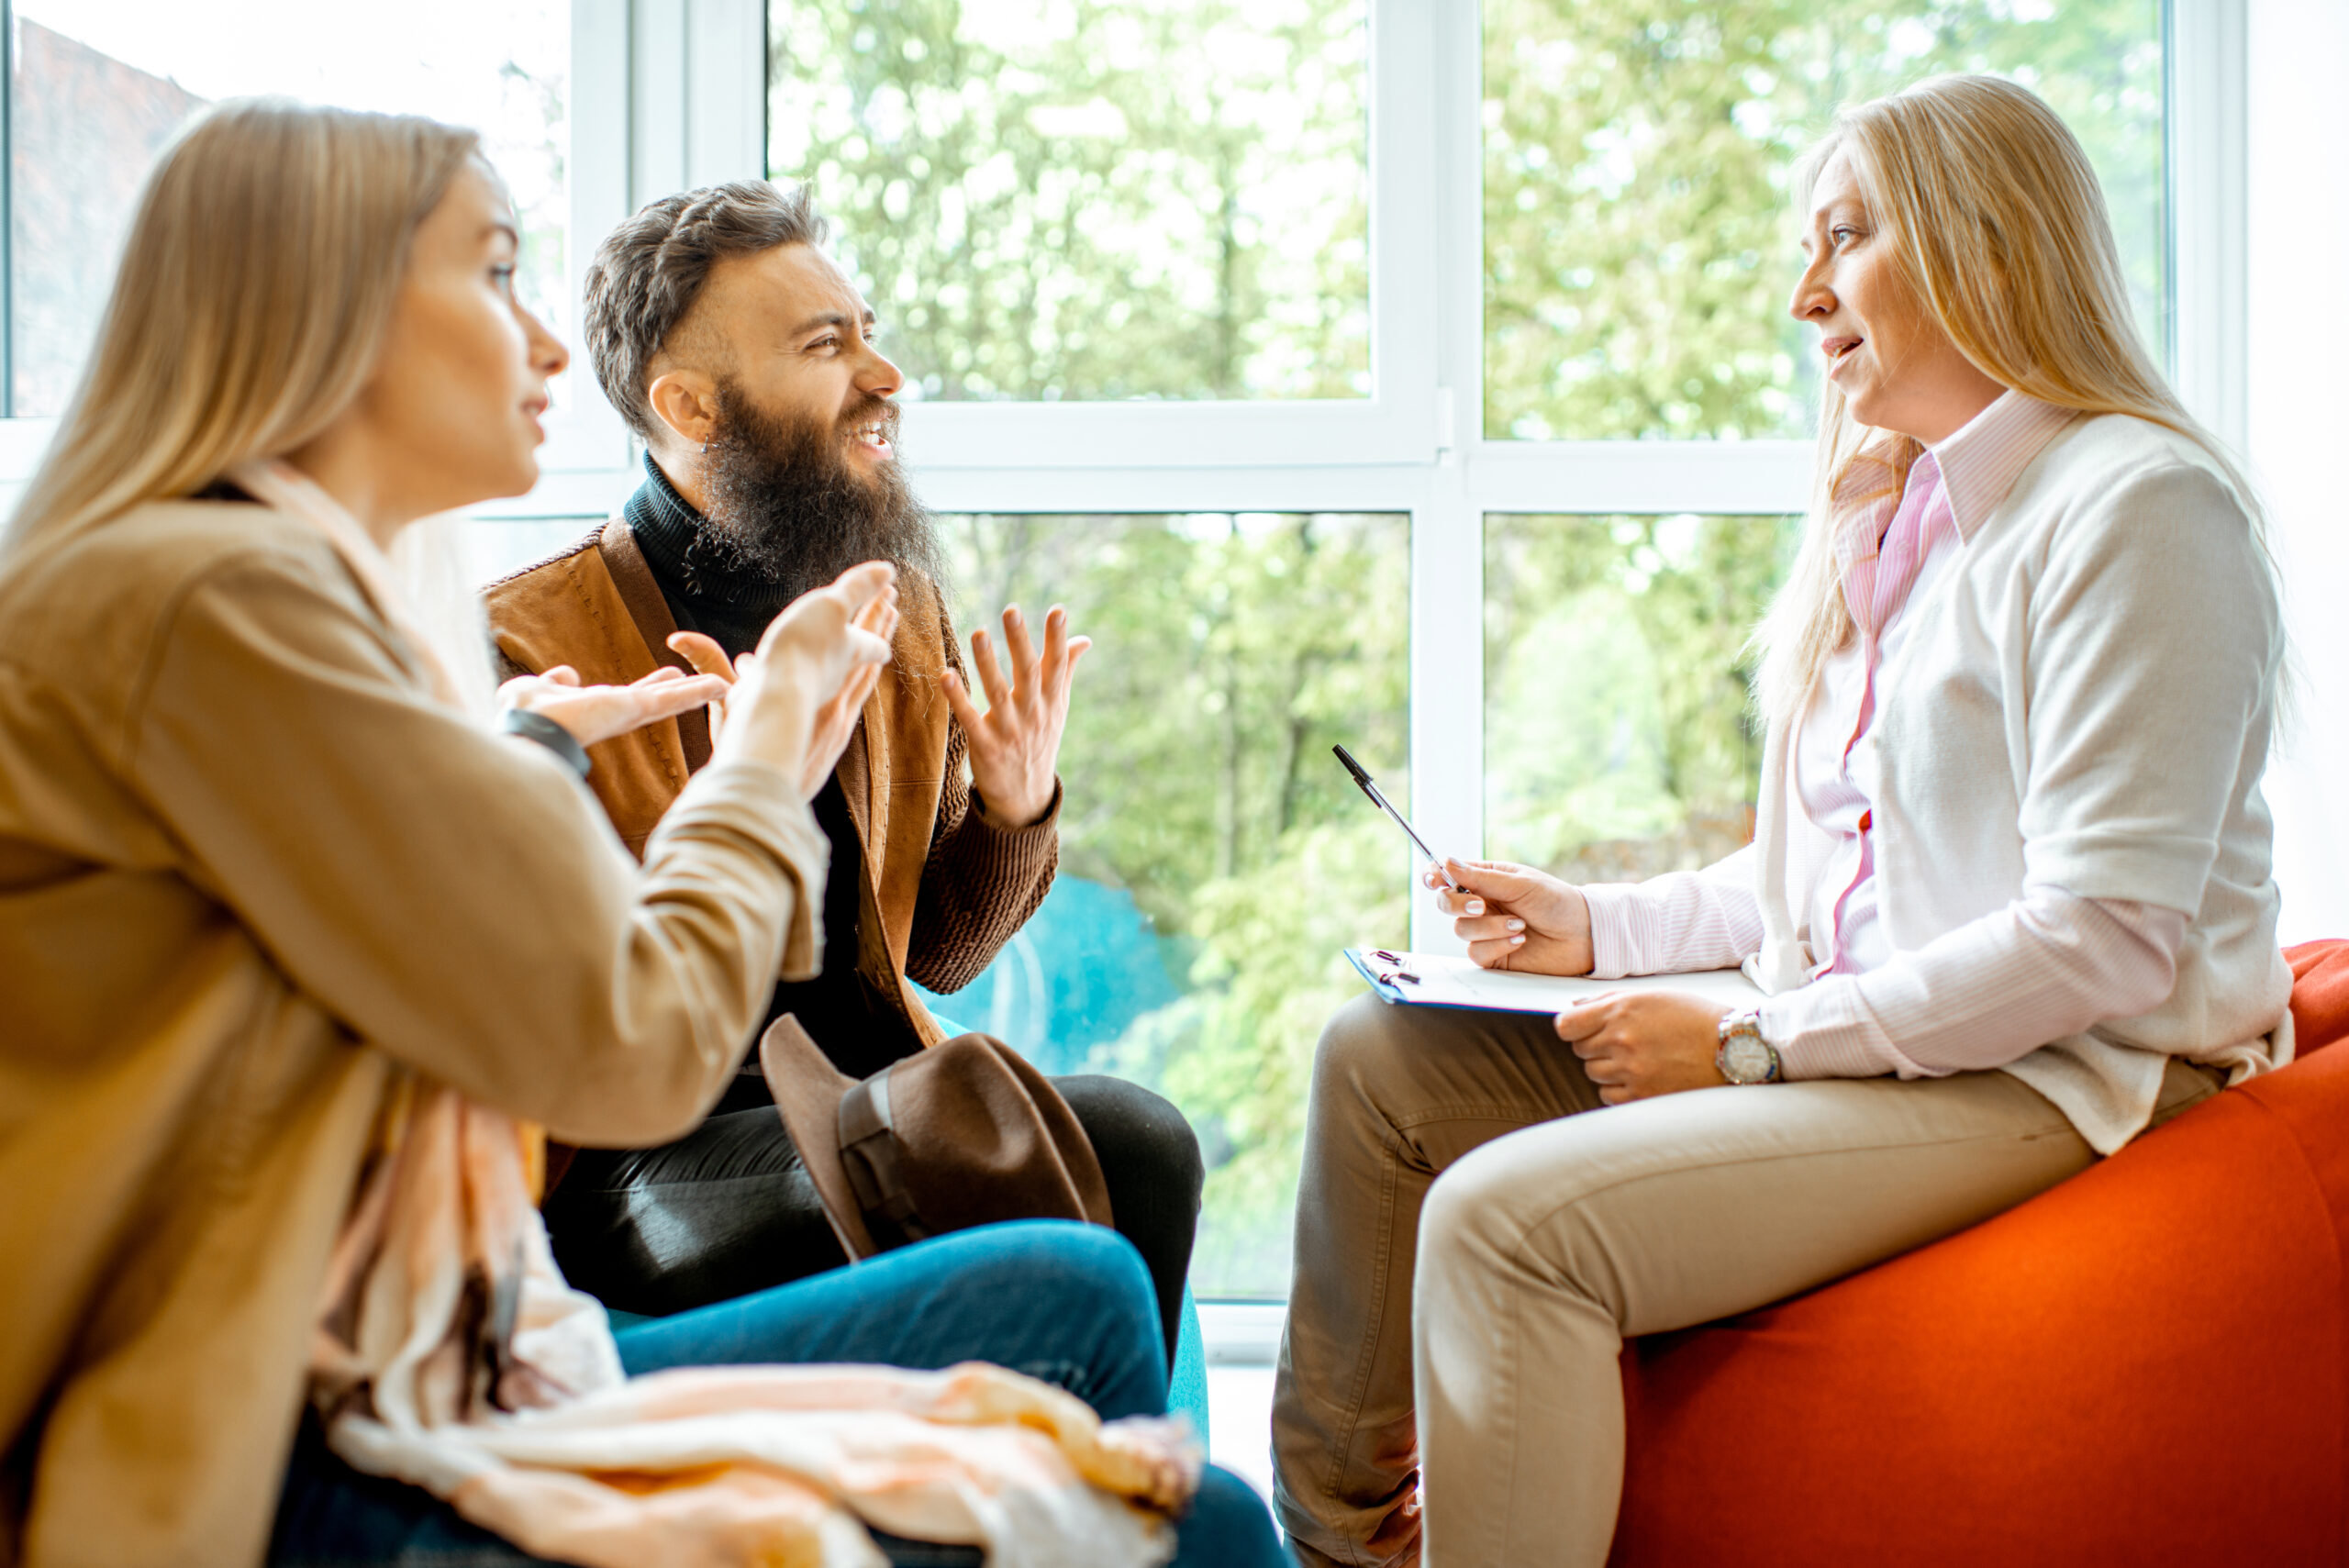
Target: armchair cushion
x=2146 y=1364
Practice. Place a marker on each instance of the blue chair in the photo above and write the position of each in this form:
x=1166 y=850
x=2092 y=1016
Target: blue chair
x=1187 y=1385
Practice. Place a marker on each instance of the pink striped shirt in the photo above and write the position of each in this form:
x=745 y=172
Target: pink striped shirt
x=2048 y=964
x=1836 y=784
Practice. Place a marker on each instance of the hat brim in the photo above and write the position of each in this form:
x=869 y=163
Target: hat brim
x=807 y=1091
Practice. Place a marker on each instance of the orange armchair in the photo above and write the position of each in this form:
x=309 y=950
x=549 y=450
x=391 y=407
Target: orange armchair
x=2147 y=1365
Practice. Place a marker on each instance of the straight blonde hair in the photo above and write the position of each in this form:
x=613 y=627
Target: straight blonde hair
x=249 y=308
x=1999 y=226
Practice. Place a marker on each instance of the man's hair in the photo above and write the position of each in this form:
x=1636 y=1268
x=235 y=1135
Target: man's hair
x=649 y=272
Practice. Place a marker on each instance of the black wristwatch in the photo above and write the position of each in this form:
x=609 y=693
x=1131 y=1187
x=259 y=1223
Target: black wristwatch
x=1745 y=1057
x=549 y=734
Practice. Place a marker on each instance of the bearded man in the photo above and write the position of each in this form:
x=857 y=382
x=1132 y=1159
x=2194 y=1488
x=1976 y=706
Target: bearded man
x=733 y=344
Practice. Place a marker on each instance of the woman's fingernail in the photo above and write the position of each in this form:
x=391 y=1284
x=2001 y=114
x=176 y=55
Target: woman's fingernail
x=1517 y=941
x=1476 y=905
x=1516 y=925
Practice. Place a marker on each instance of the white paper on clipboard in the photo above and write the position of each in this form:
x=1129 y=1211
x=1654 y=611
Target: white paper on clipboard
x=1437 y=979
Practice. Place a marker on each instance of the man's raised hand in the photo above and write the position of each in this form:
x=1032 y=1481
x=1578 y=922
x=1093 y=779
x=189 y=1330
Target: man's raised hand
x=1016 y=743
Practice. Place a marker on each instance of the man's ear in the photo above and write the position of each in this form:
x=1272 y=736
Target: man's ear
x=686 y=402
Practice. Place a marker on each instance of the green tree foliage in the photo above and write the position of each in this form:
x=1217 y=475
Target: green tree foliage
x=1069 y=198
x=1618 y=744
x=1638 y=237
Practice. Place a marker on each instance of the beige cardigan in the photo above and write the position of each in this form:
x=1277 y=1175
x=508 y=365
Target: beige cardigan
x=238 y=839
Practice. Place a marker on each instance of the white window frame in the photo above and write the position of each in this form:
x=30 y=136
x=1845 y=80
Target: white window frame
x=670 y=94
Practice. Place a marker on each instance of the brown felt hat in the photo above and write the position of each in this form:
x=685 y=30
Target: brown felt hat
x=966 y=1133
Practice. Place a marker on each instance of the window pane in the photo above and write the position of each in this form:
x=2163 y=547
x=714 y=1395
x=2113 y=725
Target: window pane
x=497 y=548
x=1618 y=741
x=1214 y=857
x=1124 y=198
x=1638 y=247
x=101 y=85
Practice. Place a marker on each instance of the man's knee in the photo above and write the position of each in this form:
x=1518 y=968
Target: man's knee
x=1133 y=1127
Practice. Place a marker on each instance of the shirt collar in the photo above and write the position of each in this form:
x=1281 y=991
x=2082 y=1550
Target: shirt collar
x=1980 y=463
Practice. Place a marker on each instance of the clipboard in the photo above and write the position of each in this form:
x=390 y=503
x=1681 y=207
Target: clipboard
x=1441 y=980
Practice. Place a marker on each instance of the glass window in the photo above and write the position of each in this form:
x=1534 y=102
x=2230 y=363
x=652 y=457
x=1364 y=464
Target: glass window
x=497 y=548
x=1619 y=743
x=1637 y=245
x=98 y=87
x=1214 y=857
x=1122 y=198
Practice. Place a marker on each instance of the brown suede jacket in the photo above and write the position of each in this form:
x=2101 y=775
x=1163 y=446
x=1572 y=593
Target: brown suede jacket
x=945 y=886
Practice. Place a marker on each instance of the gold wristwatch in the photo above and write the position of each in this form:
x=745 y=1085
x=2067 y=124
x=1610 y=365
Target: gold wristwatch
x=1745 y=1057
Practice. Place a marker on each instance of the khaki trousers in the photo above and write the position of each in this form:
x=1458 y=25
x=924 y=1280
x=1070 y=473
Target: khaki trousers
x=1472 y=1251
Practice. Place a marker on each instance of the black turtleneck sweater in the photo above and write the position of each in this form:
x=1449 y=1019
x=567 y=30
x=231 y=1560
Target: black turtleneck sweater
x=731 y=610
x=837 y=1008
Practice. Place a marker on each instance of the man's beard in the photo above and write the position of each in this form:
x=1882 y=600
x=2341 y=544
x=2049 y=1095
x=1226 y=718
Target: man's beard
x=787 y=506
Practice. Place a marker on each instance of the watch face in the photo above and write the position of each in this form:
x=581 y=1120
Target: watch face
x=1748 y=1060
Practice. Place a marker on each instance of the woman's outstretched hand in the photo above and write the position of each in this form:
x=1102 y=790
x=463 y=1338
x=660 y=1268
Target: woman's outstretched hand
x=1513 y=916
x=812 y=657
x=835 y=721
x=601 y=713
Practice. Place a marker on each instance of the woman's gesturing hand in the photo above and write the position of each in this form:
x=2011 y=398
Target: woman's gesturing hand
x=600 y=713
x=1016 y=744
x=1513 y=916
x=815 y=652
x=1639 y=1044
x=835 y=721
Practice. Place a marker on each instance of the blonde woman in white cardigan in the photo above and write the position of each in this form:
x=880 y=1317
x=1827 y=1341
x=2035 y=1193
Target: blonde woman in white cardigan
x=2009 y=898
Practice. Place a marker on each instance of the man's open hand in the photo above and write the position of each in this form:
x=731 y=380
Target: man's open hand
x=1016 y=743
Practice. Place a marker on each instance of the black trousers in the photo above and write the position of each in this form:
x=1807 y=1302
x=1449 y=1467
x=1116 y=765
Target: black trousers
x=728 y=1209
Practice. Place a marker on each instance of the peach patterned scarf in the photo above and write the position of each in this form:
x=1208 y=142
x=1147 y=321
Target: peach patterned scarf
x=451 y=1354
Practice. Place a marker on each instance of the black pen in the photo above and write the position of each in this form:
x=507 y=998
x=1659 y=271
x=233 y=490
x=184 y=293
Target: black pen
x=1383 y=804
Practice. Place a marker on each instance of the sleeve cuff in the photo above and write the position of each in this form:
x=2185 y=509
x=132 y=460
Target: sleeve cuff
x=1613 y=953
x=1825 y=1031
x=1048 y=823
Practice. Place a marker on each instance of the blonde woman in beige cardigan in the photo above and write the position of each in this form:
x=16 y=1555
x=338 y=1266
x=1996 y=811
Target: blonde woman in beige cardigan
x=275 y=895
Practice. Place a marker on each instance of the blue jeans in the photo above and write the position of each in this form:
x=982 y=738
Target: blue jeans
x=1069 y=1304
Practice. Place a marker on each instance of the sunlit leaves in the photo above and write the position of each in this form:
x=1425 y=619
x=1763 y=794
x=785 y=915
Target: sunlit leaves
x=1638 y=242
x=1093 y=198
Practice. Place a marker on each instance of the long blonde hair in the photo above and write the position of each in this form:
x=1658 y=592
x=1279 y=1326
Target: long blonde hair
x=254 y=292
x=1998 y=226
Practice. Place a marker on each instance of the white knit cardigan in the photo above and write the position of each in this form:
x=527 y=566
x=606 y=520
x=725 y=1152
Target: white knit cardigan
x=2085 y=702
